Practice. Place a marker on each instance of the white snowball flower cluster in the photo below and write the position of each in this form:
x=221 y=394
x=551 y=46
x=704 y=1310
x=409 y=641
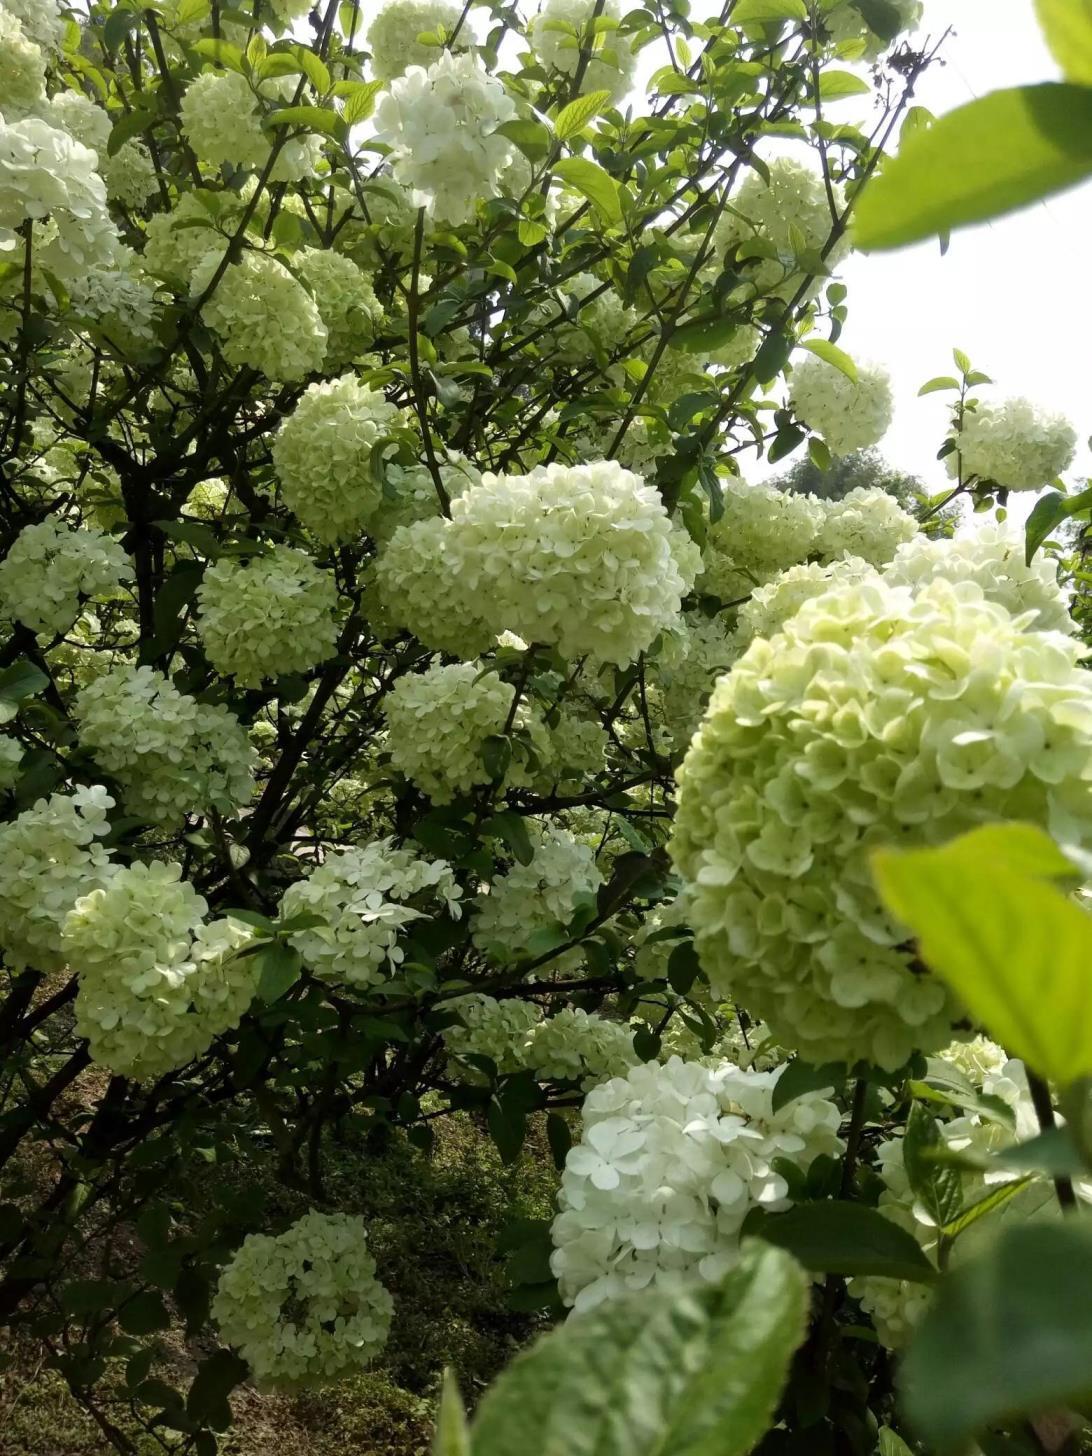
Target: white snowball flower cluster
x=437 y=724
x=604 y=316
x=52 y=568
x=441 y=125
x=45 y=173
x=263 y=317
x=41 y=19
x=763 y=530
x=365 y=897
x=120 y=299
x=304 y=1308
x=322 y=456
x=221 y=120
x=535 y=896
x=157 y=983
x=48 y=858
x=11 y=756
x=867 y=523
x=771 y=606
x=392 y=35
x=578 y=1046
x=129 y=175
x=1014 y=444
x=78 y=115
x=685 y=679
x=583 y=558
x=171 y=754
x=850 y=414
x=558 y=32
x=789 y=211
x=672 y=1159
x=173 y=251
x=22 y=68
x=418 y=589
x=874 y=717
x=271 y=616
x=577 y=749
x=346 y=300
x=489 y=1028
x=992 y=556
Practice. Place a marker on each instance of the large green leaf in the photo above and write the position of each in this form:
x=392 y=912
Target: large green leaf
x=847 y=1238
x=1010 y=1333
x=1067 y=26
x=598 y=186
x=693 y=1374
x=1013 y=947
x=983 y=159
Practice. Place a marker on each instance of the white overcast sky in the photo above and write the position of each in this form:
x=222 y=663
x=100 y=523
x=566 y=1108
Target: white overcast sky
x=1013 y=294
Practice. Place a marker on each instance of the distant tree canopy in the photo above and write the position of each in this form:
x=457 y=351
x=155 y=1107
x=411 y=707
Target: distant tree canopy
x=861 y=468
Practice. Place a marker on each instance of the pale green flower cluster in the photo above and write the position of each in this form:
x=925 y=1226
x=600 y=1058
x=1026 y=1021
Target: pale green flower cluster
x=45 y=173
x=418 y=590
x=222 y=121
x=346 y=301
x=41 y=19
x=22 y=68
x=365 y=896
x=605 y=317
x=535 y=896
x=577 y=1046
x=583 y=558
x=577 y=749
x=866 y=524
x=1014 y=444
x=771 y=606
x=785 y=216
x=170 y=754
x=558 y=32
x=489 y=1028
x=78 y=115
x=685 y=679
x=437 y=724
x=992 y=556
x=129 y=175
x=322 y=455
x=173 y=248
x=48 y=858
x=157 y=981
x=273 y=615
x=120 y=299
x=263 y=317
x=304 y=1308
x=671 y=1160
x=763 y=530
x=409 y=492
x=874 y=717
x=441 y=125
x=52 y=568
x=392 y=35
x=850 y=414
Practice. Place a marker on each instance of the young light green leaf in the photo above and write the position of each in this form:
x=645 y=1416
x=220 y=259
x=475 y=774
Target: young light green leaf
x=592 y=182
x=937 y=1188
x=839 y=1237
x=222 y=52
x=1010 y=1333
x=831 y=354
x=1048 y=510
x=1014 y=948
x=695 y=1373
x=452 y=1436
x=837 y=85
x=982 y=160
x=942 y=381
x=1067 y=27
x=360 y=101
x=997 y=1197
x=755 y=12
x=572 y=119
x=315 y=118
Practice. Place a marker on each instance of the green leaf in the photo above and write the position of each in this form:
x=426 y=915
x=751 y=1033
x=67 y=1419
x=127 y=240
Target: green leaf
x=1067 y=28
x=117 y=27
x=838 y=1237
x=512 y=829
x=21 y=680
x=217 y=1376
x=202 y=538
x=942 y=381
x=691 y=1373
x=144 y=1314
x=574 y=118
x=360 y=101
x=559 y=1135
x=532 y=138
x=885 y=20
x=704 y=338
x=799 y=1077
x=837 y=85
x=1010 y=1333
x=937 y=1188
x=820 y=454
x=222 y=52
x=1048 y=510
x=592 y=182
x=452 y=1436
x=315 y=70
x=128 y=126
x=982 y=160
x=760 y=12
x=315 y=118
x=278 y=967
x=997 y=1197
x=1015 y=949
x=831 y=354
